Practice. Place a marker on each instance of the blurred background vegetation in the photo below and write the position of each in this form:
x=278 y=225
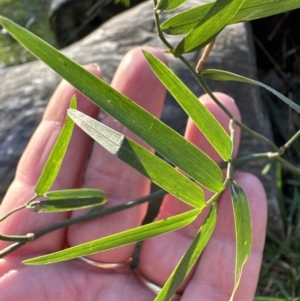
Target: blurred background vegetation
x=59 y=22
x=31 y=14
x=277 y=45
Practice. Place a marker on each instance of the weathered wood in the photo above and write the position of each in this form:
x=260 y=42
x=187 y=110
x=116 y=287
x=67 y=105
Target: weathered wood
x=26 y=89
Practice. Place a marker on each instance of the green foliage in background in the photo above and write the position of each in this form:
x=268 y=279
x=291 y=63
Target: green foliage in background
x=31 y=14
x=124 y=2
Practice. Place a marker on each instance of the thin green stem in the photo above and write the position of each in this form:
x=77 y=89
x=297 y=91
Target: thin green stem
x=202 y=83
x=11 y=248
x=92 y=215
x=263 y=156
x=216 y=195
x=12 y=212
x=237 y=122
x=17 y=209
x=18 y=238
x=249 y=158
x=287 y=165
x=257 y=135
x=205 y=87
x=159 y=32
x=101 y=213
x=289 y=142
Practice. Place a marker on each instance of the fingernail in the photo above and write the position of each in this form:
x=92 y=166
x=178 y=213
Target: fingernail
x=95 y=65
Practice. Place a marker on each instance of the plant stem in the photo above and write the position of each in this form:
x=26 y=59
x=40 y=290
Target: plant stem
x=11 y=212
x=201 y=81
x=249 y=158
x=66 y=223
x=207 y=50
x=263 y=156
x=205 y=87
x=159 y=32
x=288 y=165
x=289 y=142
x=215 y=197
x=18 y=238
x=257 y=135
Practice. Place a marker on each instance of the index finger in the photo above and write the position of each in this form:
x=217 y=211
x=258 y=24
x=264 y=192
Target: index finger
x=33 y=161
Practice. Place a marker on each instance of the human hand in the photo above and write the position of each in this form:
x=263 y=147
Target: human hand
x=213 y=276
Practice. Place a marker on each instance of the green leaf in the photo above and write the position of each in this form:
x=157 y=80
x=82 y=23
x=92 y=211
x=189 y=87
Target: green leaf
x=141 y=159
x=166 y=141
x=205 y=121
x=243 y=231
x=209 y=26
x=183 y=22
x=168 y=4
x=66 y=200
x=228 y=76
x=190 y=258
x=79 y=193
x=119 y=239
x=126 y=3
x=56 y=156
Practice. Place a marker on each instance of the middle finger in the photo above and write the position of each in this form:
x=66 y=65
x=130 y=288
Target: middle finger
x=121 y=182
x=167 y=249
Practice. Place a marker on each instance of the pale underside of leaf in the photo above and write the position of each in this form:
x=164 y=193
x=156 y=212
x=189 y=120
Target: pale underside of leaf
x=154 y=132
x=62 y=205
x=67 y=200
x=119 y=239
x=74 y=193
x=141 y=159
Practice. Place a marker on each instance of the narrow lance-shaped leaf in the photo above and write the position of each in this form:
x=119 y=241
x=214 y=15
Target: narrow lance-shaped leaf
x=66 y=200
x=209 y=26
x=204 y=120
x=168 y=4
x=119 y=239
x=190 y=258
x=228 y=76
x=243 y=231
x=56 y=156
x=185 y=21
x=80 y=193
x=146 y=126
x=141 y=159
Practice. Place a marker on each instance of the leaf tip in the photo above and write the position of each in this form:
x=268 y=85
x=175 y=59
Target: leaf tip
x=29 y=262
x=73 y=103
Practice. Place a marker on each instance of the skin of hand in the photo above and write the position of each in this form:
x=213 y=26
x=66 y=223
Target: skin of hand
x=213 y=276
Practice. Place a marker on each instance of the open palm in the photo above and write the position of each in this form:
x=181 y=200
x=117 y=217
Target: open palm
x=213 y=276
